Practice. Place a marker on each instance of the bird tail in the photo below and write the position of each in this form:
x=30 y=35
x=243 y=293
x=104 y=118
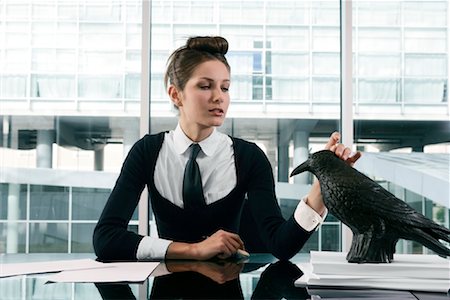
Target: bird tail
x=430 y=236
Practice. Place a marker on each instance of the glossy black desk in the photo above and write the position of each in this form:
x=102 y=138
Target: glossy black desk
x=261 y=277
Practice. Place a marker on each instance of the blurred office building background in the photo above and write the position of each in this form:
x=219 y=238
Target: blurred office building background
x=70 y=101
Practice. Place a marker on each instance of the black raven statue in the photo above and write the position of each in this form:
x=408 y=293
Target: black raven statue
x=376 y=217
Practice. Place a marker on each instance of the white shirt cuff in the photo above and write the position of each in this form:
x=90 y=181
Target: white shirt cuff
x=307 y=217
x=152 y=248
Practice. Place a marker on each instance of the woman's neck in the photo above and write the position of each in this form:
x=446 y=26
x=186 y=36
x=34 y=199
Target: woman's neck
x=196 y=133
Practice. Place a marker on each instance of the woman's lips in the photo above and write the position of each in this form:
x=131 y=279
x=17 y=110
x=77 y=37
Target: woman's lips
x=217 y=111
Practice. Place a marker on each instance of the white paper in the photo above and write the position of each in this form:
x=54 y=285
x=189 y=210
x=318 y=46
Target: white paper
x=428 y=273
x=403 y=265
x=14 y=269
x=392 y=283
x=113 y=272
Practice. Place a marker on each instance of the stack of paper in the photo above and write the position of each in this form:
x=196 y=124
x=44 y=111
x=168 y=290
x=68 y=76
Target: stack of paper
x=111 y=272
x=429 y=273
x=82 y=270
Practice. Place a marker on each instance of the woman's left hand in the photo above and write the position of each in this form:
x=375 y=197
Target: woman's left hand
x=341 y=150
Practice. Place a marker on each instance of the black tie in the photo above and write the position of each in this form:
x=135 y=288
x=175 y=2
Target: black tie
x=192 y=181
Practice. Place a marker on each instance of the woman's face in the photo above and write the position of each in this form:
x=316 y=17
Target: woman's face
x=204 y=101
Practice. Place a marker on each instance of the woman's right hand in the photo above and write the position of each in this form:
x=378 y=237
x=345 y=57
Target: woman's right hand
x=222 y=244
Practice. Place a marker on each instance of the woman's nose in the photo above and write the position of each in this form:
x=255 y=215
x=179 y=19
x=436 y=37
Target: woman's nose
x=218 y=95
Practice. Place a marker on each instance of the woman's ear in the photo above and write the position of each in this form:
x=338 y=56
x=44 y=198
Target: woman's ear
x=175 y=95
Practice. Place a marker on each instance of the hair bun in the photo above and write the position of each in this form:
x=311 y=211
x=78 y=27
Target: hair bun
x=211 y=44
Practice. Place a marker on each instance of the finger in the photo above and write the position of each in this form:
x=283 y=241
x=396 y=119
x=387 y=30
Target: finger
x=343 y=152
x=353 y=158
x=334 y=138
x=236 y=238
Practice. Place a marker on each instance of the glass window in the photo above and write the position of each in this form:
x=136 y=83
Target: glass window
x=14 y=86
x=241 y=62
x=17 y=10
x=87 y=204
x=239 y=36
x=373 y=65
x=325 y=64
x=377 y=13
x=13 y=201
x=290 y=64
x=101 y=36
x=378 y=39
x=288 y=88
x=331 y=237
x=13 y=237
x=325 y=12
x=74 y=62
x=241 y=87
x=100 y=61
x=425 y=91
x=379 y=90
x=134 y=38
x=16 y=60
x=98 y=11
x=325 y=89
x=201 y=11
x=425 y=40
x=48 y=237
x=133 y=86
x=425 y=65
x=50 y=60
x=133 y=61
x=288 y=37
x=403 y=62
x=101 y=87
x=325 y=39
x=161 y=38
x=49 y=202
x=425 y=13
x=67 y=11
x=82 y=238
x=291 y=12
x=56 y=86
x=243 y=12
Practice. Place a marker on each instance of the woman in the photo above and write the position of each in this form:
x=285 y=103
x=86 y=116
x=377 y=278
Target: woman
x=232 y=170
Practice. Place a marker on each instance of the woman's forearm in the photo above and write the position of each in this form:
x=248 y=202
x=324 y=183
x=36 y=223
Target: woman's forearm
x=178 y=250
x=314 y=198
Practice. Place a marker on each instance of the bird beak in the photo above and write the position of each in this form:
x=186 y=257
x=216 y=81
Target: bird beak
x=301 y=168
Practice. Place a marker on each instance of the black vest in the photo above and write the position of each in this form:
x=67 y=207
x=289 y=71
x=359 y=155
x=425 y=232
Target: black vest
x=175 y=223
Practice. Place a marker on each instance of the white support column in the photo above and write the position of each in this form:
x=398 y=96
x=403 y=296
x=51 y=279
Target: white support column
x=346 y=93
x=283 y=163
x=44 y=148
x=301 y=152
x=143 y=215
x=99 y=154
x=145 y=104
x=12 y=231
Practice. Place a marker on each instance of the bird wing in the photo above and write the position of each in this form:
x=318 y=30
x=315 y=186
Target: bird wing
x=385 y=205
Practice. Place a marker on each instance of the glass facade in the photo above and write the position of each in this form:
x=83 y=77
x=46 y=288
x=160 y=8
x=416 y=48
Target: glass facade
x=70 y=93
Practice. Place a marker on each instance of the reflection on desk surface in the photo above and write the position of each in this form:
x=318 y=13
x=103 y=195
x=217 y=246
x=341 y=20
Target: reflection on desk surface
x=261 y=277
x=216 y=280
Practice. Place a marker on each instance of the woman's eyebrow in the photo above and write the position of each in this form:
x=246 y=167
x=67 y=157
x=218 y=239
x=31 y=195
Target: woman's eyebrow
x=210 y=79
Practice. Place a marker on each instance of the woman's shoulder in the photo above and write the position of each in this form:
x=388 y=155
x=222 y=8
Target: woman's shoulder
x=150 y=141
x=242 y=146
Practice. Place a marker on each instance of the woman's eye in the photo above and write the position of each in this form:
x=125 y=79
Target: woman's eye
x=224 y=89
x=204 y=87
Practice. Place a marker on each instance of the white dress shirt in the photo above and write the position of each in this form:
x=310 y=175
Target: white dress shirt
x=217 y=166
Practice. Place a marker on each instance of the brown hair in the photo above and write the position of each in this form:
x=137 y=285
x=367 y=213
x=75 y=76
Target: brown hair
x=183 y=61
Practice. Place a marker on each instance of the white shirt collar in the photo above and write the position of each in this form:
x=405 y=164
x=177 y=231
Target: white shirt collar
x=208 y=145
